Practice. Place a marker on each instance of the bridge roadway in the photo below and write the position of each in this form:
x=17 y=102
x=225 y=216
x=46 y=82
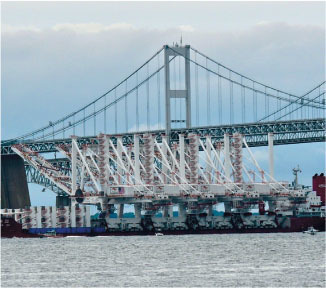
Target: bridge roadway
x=285 y=132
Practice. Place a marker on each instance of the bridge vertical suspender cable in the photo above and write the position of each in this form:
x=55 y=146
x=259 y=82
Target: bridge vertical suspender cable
x=196 y=91
x=243 y=102
x=115 y=112
x=265 y=100
x=278 y=102
x=231 y=98
x=74 y=127
x=256 y=103
x=253 y=101
x=175 y=89
x=302 y=111
x=300 y=103
x=220 y=102
x=159 y=94
x=208 y=95
x=147 y=97
x=105 y=115
x=126 y=107
x=179 y=87
x=94 y=119
x=137 y=103
x=84 y=123
x=318 y=99
x=64 y=124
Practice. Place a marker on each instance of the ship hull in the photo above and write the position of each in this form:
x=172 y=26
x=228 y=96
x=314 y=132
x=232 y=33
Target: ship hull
x=297 y=224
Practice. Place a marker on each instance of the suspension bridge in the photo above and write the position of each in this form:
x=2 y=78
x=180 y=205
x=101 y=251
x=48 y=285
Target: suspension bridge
x=180 y=90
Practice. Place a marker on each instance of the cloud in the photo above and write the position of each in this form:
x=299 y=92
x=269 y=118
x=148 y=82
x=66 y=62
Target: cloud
x=186 y=28
x=91 y=27
x=14 y=29
x=48 y=73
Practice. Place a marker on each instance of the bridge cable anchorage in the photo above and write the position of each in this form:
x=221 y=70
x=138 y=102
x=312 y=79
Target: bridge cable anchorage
x=302 y=98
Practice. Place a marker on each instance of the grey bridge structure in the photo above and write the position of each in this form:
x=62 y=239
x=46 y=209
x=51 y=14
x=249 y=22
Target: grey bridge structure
x=181 y=90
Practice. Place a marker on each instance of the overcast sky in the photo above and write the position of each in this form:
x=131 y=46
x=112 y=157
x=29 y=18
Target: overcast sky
x=56 y=57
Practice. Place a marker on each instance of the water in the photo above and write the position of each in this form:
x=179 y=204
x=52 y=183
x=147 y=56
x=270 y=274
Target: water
x=254 y=260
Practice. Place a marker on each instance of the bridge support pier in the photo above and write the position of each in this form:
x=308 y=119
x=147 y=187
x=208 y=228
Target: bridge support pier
x=14 y=189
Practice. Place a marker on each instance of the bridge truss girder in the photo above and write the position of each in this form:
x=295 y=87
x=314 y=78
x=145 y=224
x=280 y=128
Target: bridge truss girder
x=285 y=132
x=35 y=177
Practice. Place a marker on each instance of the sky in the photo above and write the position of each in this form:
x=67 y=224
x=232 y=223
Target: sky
x=58 y=56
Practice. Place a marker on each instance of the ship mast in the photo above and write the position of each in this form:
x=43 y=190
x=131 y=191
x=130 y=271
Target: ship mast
x=295 y=173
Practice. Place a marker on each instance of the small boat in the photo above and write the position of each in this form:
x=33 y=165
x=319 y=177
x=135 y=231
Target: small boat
x=311 y=230
x=50 y=234
x=159 y=234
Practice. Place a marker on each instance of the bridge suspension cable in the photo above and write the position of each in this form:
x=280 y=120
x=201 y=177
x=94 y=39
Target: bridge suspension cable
x=245 y=96
x=69 y=116
x=303 y=97
x=239 y=87
x=247 y=78
x=90 y=116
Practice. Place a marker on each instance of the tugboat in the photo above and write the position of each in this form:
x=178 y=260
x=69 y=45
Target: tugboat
x=311 y=230
x=50 y=234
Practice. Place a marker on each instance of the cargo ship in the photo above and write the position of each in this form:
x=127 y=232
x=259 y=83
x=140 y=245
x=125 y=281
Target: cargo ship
x=173 y=187
x=309 y=213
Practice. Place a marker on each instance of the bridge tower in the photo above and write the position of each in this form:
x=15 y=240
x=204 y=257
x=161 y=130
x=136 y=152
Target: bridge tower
x=169 y=53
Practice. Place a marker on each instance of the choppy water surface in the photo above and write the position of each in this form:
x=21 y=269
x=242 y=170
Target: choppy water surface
x=260 y=260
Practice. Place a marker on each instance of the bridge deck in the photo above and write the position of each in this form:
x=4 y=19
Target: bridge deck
x=285 y=132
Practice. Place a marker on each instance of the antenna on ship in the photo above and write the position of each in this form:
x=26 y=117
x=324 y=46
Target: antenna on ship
x=295 y=173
